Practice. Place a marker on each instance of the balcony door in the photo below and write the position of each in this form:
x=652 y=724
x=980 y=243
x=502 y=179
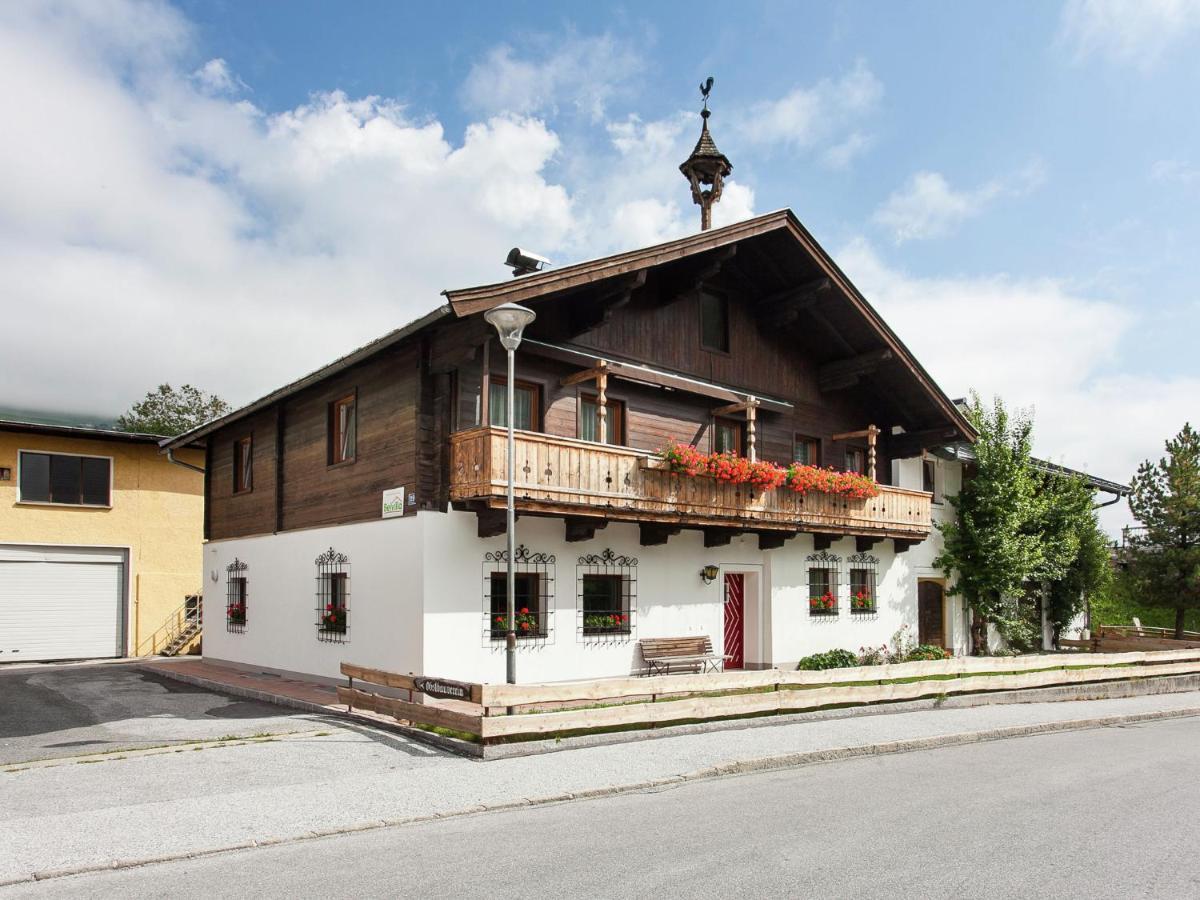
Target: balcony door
x=526 y=405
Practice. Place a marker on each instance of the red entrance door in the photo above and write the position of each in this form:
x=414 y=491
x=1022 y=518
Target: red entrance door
x=735 y=607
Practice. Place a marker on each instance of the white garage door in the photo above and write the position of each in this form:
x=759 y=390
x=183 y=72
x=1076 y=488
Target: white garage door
x=60 y=603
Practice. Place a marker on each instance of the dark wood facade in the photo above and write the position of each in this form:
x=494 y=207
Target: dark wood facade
x=796 y=341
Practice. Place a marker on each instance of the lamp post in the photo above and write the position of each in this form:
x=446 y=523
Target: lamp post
x=510 y=320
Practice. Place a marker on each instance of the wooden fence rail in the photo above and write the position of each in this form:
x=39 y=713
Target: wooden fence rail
x=507 y=712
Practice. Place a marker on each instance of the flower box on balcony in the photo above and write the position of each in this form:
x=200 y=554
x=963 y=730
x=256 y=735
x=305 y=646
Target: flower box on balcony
x=825 y=605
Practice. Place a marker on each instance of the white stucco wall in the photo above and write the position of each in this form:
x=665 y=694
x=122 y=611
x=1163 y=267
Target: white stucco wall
x=417 y=597
x=281 y=606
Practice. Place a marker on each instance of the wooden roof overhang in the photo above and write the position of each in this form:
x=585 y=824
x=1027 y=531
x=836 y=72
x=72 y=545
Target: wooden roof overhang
x=795 y=287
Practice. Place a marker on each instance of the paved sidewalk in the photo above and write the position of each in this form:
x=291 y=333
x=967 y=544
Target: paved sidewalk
x=294 y=692
x=351 y=777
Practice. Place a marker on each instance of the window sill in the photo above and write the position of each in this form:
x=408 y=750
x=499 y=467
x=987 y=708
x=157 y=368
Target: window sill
x=64 y=505
x=342 y=463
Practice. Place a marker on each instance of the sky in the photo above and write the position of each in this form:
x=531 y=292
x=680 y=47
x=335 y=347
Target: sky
x=232 y=194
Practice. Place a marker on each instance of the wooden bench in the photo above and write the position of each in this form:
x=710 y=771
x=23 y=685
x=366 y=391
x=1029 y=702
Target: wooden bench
x=695 y=654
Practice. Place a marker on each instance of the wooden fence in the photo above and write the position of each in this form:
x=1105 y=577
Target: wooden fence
x=1125 y=638
x=504 y=712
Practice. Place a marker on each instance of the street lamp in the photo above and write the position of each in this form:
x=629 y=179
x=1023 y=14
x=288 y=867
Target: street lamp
x=510 y=320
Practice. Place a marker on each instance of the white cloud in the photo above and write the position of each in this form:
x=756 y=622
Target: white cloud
x=1037 y=343
x=216 y=77
x=928 y=207
x=151 y=230
x=1176 y=171
x=1136 y=32
x=156 y=225
x=583 y=73
x=826 y=116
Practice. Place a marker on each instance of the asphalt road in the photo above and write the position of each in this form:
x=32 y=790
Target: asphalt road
x=69 y=710
x=1102 y=813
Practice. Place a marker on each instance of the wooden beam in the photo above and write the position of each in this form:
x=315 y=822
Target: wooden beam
x=583 y=529
x=741 y=406
x=485 y=385
x=863 y=544
x=491 y=522
x=824 y=541
x=595 y=372
x=719 y=537
x=911 y=443
x=691 y=282
x=653 y=534
x=782 y=308
x=844 y=373
x=589 y=314
x=901 y=546
x=773 y=540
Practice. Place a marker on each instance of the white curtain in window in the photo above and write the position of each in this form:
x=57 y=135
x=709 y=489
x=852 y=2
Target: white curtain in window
x=346 y=426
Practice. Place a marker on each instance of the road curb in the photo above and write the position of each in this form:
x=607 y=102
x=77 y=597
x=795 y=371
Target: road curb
x=739 y=767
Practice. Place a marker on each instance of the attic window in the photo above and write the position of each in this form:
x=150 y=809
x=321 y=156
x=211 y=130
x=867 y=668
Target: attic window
x=714 y=323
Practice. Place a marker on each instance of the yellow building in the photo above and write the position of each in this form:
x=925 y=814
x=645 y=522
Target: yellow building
x=100 y=543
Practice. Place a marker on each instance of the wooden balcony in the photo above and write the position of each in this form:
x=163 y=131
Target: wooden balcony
x=583 y=480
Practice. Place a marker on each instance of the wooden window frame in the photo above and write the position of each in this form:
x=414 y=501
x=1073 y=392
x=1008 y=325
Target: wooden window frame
x=739 y=429
x=814 y=442
x=535 y=412
x=929 y=479
x=243 y=450
x=21 y=452
x=613 y=403
x=724 y=300
x=333 y=435
x=855 y=448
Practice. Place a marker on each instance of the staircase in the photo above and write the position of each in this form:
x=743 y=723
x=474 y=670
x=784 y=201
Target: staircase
x=182 y=628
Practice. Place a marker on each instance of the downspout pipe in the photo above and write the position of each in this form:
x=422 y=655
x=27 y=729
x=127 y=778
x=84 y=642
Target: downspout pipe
x=1116 y=499
x=180 y=462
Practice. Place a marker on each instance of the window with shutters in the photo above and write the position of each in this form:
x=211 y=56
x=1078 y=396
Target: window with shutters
x=64 y=479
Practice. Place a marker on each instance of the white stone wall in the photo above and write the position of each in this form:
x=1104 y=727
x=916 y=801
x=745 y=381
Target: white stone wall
x=417 y=597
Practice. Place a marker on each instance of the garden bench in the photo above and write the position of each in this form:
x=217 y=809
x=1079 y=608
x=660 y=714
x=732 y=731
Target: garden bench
x=695 y=654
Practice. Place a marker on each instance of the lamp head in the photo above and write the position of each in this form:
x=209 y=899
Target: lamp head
x=510 y=320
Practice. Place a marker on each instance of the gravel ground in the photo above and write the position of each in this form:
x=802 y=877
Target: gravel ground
x=83 y=813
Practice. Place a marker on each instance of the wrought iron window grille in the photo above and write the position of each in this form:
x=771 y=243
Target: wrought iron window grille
x=333 y=597
x=235 y=596
x=864 y=581
x=535 y=576
x=606 y=597
x=824 y=583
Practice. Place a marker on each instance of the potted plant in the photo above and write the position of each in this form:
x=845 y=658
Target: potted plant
x=236 y=613
x=526 y=624
x=334 y=618
x=606 y=623
x=862 y=601
x=825 y=605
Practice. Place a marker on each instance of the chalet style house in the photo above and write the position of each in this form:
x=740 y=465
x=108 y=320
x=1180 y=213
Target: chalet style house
x=358 y=513
x=678 y=411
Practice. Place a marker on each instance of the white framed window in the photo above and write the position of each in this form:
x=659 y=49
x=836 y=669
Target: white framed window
x=64 y=479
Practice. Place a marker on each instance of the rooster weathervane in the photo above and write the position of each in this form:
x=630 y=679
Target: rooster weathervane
x=706 y=89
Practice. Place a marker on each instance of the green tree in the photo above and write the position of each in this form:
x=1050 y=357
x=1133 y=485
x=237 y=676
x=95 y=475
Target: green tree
x=169 y=412
x=1164 y=559
x=1087 y=577
x=993 y=544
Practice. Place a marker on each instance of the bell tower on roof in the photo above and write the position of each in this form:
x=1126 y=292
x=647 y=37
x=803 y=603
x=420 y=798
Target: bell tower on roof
x=707 y=167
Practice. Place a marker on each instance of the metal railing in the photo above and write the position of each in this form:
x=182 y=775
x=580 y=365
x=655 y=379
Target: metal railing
x=177 y=630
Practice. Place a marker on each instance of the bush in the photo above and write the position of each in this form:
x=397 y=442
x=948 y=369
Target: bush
x=830 y=659
x=926 y=651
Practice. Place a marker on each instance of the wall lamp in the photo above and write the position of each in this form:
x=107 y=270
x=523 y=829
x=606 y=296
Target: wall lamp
x=709 y=574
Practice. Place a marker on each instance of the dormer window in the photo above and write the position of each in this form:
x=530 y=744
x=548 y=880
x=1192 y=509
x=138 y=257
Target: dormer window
x=714 y=323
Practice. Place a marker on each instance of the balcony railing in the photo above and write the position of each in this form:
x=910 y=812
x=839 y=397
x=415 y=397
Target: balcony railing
x=570 y=477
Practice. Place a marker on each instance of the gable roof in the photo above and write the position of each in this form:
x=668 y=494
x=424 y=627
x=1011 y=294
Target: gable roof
x=469 y=301
x=545 y=285
x=89 y=432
